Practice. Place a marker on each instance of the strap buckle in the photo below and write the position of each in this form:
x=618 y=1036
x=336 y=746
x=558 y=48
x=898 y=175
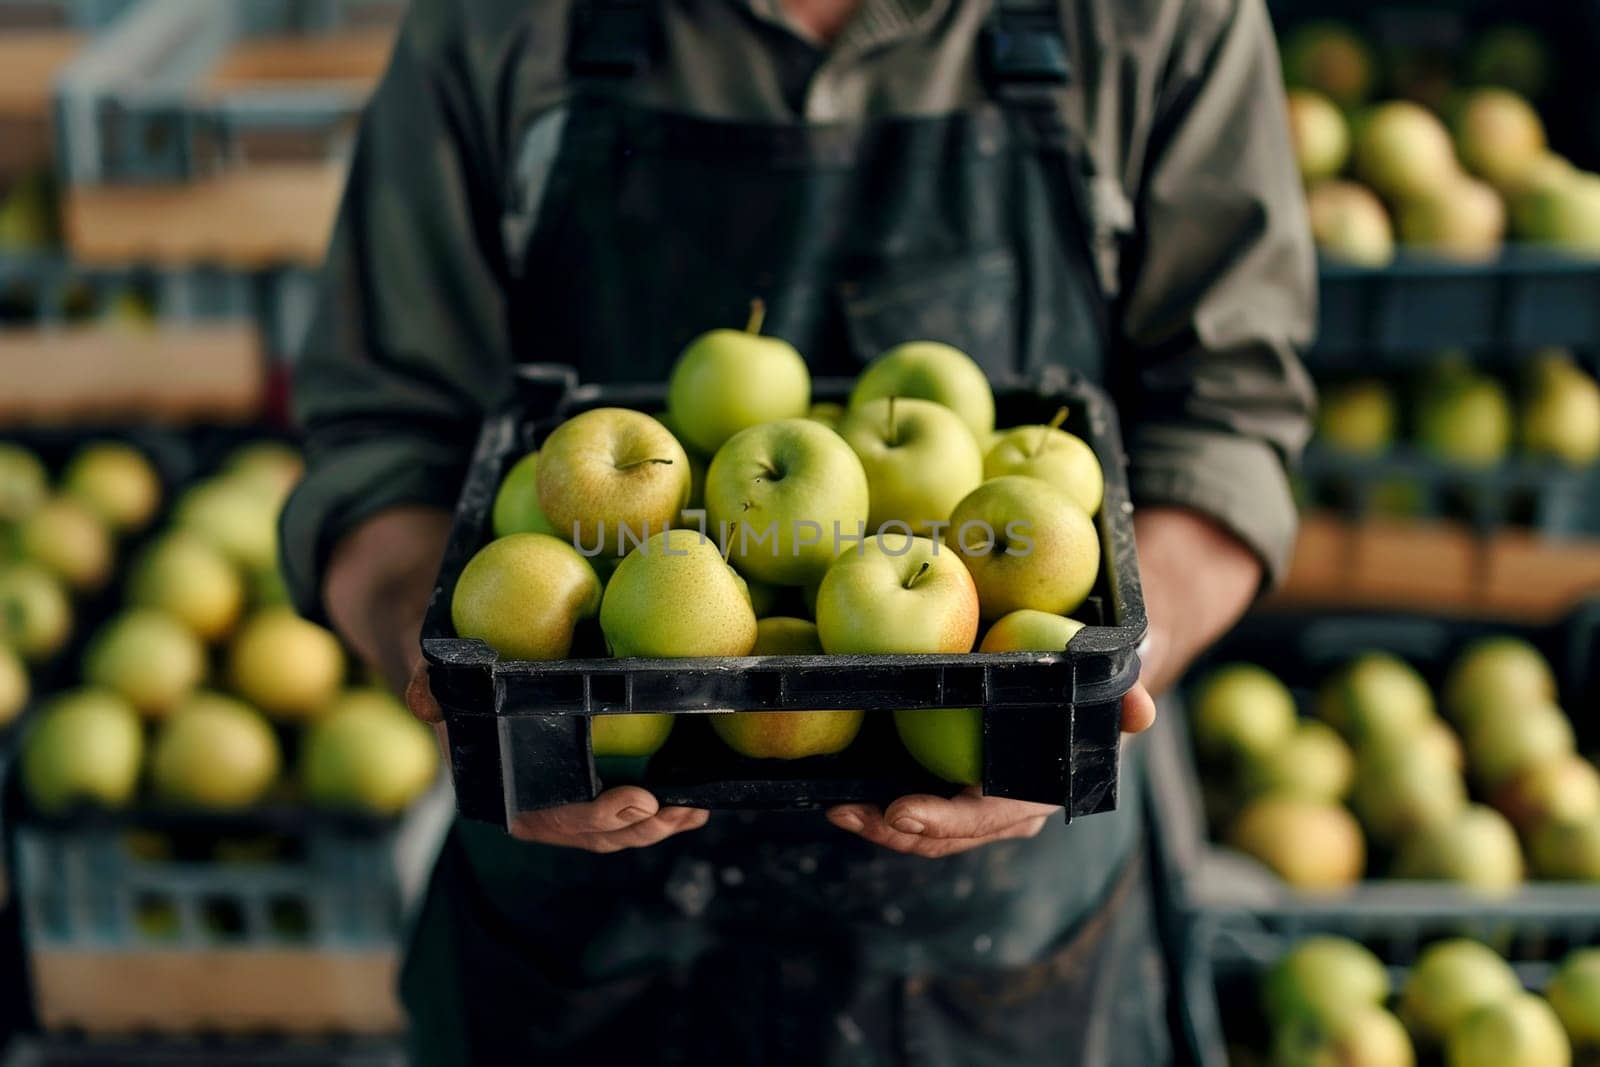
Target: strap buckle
x=1024 y=44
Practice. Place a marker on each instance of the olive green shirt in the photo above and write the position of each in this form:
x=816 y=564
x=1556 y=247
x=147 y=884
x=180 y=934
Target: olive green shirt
x=1180 y=102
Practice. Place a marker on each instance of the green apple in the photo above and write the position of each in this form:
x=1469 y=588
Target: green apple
x=628 y=736
x=273 y=465
x=14 y=687
x=1357 y=418
x=1513 y=56
x=1564 y=789
x=893 y=593
x=780 y=496
x=827 y=413
x=1028 y=545
x=1560 y=414
x=1568 y=850
x=1508 y=742
x=524 y=594
x=928 y=370
x=1405 y=788
x=84 y=746
x=949 y=741
x=610 y=478
x=1052 y=455
x=919 y=458
x=149 y=658
x=1375 y=699
x=1349 y=223
x=1311 y=844
x=1364 y=1035
x=730 y=380
x=70 y=541
x=116 y=482
x=1241 y=713
x=1498 y=134
x=674 y=596
x=24 y=484
x=1574 y=993
x=1464 y=418
x=190 y=580
x=1331 y=58
x=787 y=734
x=1463 y=219
x=236 y=517
x=1449 y=981
x=1561 y=209
x=214 y=752
x=516 y=504
x=368 y=758
x=35 y=613
x=260 y=659
x=1496 y=672
x=1476 y=847
x=1403 y=151
x=1518 y=1031
x=1321 y=978
x=1320 y=134
x=1314 y=762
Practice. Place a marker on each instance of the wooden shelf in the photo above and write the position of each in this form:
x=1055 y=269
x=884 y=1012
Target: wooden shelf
x=29 y=60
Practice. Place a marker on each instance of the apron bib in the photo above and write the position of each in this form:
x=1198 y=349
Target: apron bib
x=777 y=938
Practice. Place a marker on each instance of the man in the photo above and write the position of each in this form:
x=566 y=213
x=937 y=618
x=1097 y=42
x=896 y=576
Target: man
x=1105 y=184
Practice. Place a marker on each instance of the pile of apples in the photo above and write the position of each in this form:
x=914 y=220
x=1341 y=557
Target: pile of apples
x=748 y=521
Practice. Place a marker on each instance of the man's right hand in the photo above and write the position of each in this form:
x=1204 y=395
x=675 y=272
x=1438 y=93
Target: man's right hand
x=376 y=591
x=621 y=818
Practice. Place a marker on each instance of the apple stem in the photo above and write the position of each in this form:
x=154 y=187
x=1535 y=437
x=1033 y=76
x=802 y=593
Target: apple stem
x=758 y=315
x=641 y=462
x=1044 y=433
x=920 y=572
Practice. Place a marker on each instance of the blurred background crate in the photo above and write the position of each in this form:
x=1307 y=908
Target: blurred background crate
x=58 y=1051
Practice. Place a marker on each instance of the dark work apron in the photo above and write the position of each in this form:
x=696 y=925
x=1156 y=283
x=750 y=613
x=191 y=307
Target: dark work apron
x=778 y=939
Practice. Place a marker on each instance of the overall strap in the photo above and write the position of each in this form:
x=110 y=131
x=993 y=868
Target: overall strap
x=1024 y=51
x=610 y=40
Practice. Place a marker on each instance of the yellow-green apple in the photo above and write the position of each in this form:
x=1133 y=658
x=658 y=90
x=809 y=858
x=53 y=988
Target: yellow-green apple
x=1476 y=846
x=259 y=659
x=523 y=595
x=1463 y=219
x=949 y=741
x=1574 y=993
x=69 y=540
x=214 y=752
x=1505 y=743
x=1320 y=134
x=1563 y=789
x=190 y=580
x=919 y=458
x=116 y=482
x=1322 y=977
x=24 y=484
x=1498 y=134
x=929 y=370
x=150 y=659
x=35 y=613
x=1241 y=713
x=1028 y=544
x=1349 y=223
x=1449 y=981
x=827 y=413
x=1375 y=699
x=1357 y=418
x=366 y=757
x=1561 y=412
x=273 y=465
x=610 y=478
x=236 y=517
x=780 y=495
x=1521 y=1030
x=731 y=380
x=85 y=746
x=893 y=593
x=787 y=734
x=1313 y=844
x=1314 y=763
x=1510 y=55
x=1362 y=1034
x=1568 y=850
x=1563 y=211
x=1052 y=455
x=516 y=504
x=1464 y=417
x=1403 y=788
x=14 y=687
x=1331 y=58
x=1402 y=150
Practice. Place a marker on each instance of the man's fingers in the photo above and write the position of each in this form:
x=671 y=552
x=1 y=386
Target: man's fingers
x=651 y=831
x=873 y=827
x=965 y=816
x=1138 y=710
x=419 y=696
x=615 y=809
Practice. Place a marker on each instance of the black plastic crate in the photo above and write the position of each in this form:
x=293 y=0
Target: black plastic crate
x=1209 y=885
x=519 y=733
x=43 y=1050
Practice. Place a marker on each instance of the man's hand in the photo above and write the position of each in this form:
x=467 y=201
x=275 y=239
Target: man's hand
x=379 y=580
x=1197 y=579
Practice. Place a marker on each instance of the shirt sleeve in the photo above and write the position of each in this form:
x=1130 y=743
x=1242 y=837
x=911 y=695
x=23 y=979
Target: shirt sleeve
x=410 y=343
x=1220 y=288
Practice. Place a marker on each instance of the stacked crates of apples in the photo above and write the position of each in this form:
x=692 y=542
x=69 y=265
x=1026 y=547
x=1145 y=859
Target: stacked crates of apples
x=1465 y=417
x=1449 y=171
x=1376 y=782
x=190 y=690
x=1330 y=1000
x=747 y=521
